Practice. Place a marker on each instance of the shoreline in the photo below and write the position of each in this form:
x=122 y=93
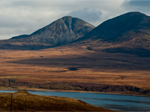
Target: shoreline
x=47 y=90
x=25 y=101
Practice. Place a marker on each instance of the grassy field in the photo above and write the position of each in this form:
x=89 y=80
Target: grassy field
x=24 y=101
x=73 y=65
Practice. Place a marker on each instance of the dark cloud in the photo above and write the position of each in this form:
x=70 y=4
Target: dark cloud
x=90 y=15
x=137 y=4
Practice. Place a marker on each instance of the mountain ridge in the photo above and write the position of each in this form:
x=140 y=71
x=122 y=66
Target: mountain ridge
x=131 y=29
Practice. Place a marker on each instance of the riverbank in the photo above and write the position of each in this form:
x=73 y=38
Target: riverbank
x=79 y=91
x=24 y=101
x=79 y=87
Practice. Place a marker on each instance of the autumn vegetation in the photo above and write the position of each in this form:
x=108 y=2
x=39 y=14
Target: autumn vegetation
x=24 y=101
x=72 y=69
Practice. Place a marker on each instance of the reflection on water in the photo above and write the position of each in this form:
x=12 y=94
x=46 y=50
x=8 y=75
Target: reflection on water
x=109 y=101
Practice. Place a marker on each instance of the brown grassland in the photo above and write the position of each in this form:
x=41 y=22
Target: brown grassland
x=24 y=101
x=72 y=65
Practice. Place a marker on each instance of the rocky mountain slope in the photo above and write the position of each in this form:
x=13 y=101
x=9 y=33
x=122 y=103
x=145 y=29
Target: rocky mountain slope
x=60 y=32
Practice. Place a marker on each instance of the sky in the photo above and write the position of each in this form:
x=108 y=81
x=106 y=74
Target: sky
x=19 y=17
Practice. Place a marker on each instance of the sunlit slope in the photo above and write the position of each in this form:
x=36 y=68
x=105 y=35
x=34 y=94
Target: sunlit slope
x=24 y=101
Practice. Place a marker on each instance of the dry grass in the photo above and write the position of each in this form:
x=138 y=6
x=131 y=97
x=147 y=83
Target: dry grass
x=24 y=101
x=51 y=65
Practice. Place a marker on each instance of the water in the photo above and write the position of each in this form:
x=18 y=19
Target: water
x=109 y=101
x=7 y=91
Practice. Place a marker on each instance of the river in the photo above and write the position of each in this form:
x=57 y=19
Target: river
x=109 y=101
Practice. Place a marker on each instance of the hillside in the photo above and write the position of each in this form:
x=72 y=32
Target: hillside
x=128 y=33
x=24 y=101
x=122 y=28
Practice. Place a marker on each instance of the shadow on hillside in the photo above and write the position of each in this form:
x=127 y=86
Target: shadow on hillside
x=141 y=52
x=97 y=60
x=24 y=47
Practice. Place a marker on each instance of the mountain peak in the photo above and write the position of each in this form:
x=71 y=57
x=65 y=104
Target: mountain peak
x=122 y=28
x=134 y=14
x=62 y=31
x=66 y=17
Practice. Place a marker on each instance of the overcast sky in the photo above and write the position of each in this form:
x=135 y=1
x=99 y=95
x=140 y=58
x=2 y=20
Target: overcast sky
x=26 y=16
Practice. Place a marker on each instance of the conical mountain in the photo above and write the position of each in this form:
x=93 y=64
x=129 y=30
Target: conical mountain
x=131 y=28
x=61 y=31
x=128 y=34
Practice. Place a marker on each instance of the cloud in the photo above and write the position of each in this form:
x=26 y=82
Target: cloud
x=18 y=17
x=26 y=16
x=138 y=3
x=90 y=15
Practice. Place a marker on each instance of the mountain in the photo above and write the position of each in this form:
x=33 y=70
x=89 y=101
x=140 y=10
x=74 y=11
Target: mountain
x=122 y=28
x=129 y=32
x=62 y=31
